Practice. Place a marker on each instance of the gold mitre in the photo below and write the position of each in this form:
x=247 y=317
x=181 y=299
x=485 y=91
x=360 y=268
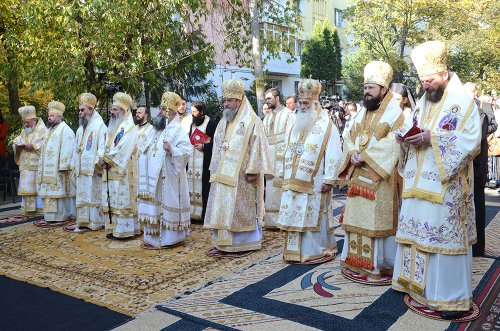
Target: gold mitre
x=56 y=107
x=171 y=100
x=122 y=100
x=429 y=58
x=27 y=112
x=378 y=72
x=233 y=89
x=309 y=89
x=88 y=99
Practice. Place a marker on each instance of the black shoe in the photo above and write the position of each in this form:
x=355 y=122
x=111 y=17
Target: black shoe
x=453 y=314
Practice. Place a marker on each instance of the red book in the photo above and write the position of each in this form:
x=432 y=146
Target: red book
x=198 y=137
x=413 y=131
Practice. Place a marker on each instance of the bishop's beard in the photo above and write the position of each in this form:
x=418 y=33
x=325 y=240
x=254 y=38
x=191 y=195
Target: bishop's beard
x=304 y=119
x=229 y=114
x=160 y=123
x=436 y=95
x=373 y=103
x=84 y=121
x=113 y=122
x=29 y=130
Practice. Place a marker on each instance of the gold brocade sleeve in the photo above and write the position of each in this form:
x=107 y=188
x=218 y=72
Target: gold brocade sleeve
x=260 y=160
x=384 y=154
x=119 y=156
x=333 y=156
x=67 y=149
x=348 y=150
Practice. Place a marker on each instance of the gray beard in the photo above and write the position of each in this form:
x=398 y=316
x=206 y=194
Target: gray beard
x=84 y=121
x=113 y=122
x=229 y=114
x=159 y=123
x=51 y=124
x=29 y=130
x=304 y=120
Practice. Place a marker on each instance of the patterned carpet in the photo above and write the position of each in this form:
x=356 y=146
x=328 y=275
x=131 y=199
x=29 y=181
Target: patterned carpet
x=115 y=274
x=274 y=295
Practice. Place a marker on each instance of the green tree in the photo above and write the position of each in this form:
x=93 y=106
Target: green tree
x=387 y=30
x=321 y=54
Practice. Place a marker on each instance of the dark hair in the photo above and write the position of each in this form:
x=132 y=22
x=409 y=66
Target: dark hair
x=352 y=104
x=400 y=89
x=148 y=111
x=275 y=92
x=291 y=97
x=200 y=106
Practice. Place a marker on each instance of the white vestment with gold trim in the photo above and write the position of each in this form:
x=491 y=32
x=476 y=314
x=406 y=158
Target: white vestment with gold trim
x=54 y=177
x=310 y=160
x=163 y=198
x=120 y=152
x=371 y=212
x=235 y=207
x=186 y=119
x=31 y=203
x=275 y=125
x=89 y=148
x=437 y=219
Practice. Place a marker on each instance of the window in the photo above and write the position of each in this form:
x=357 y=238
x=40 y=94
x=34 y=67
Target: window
x=338 y=18
x=273 y=83
x=286 y=42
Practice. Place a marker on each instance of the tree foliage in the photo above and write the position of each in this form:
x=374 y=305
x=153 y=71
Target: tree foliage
x=387 y=30
x=63 y=48
x=321 y=56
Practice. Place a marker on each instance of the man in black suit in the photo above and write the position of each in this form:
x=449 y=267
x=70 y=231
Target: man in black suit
x=488 y=125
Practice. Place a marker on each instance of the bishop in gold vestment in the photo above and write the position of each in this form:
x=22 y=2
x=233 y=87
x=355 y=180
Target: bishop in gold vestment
x=311 y=157
x=275 y=126
x=437 y=220
x=27 y=149
x=89 y=148
x=240 y=159
x=119 y=187
x=56 y=186
x=369 y=163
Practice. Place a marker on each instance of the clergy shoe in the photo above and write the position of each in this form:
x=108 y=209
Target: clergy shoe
x=453 y=314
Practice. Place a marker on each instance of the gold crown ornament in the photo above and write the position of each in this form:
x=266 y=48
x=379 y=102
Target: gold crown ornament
x=56 y=107
x=171 y=100
x=309 y=89
x=233 y=89
x=122 y=100
x=429 y=58
x=27 y=112
x=378 y=72
x=88 y=99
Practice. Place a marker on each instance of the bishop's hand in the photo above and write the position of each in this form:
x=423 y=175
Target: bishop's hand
x=356 y=159
x=167 y=147
x=422 y=139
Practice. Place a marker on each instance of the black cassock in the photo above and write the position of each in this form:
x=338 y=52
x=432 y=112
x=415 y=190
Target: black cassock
x=207 y=157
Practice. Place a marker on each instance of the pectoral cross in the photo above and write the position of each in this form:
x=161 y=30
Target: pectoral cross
x=155 y=149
